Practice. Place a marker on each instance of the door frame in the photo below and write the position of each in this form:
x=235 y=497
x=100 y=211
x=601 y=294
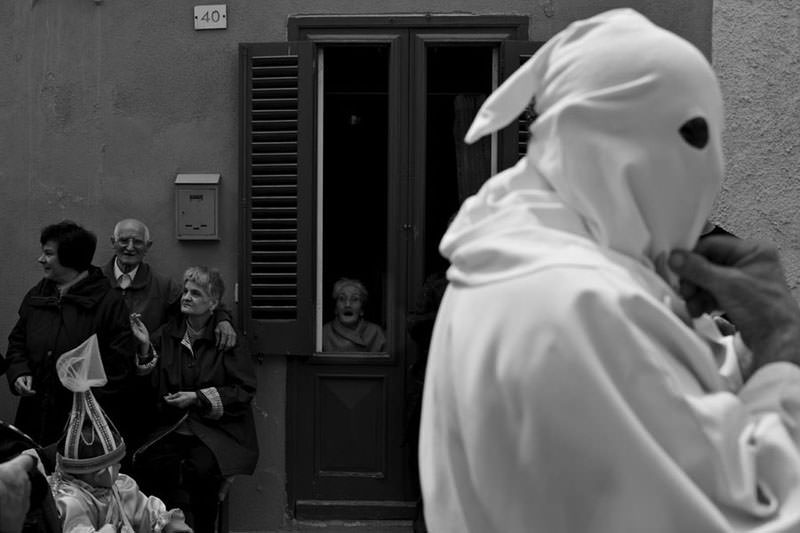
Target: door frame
x=405 y=172
x=312 y=27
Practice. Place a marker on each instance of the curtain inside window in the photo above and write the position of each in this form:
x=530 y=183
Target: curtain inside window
x=473 y=162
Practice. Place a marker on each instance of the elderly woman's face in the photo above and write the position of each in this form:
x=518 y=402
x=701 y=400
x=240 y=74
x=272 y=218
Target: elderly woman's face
x=348 y=306
x=52 y=267
x=195 y=300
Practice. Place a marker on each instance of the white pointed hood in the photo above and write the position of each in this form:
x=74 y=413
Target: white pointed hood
x=607 y=160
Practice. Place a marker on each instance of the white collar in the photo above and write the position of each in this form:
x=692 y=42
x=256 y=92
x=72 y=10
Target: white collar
x=118 y=272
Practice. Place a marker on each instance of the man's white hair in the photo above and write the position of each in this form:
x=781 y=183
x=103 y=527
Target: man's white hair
x=131 y=221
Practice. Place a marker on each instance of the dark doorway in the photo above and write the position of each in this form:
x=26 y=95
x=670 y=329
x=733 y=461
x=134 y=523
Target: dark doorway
x=459 y=78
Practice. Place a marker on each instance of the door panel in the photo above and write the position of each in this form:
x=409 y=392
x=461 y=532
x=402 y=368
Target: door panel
x=352 y=414
x=349 y=442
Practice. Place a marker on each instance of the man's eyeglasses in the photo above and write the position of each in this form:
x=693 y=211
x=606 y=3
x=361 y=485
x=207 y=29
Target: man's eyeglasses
x=137 y=243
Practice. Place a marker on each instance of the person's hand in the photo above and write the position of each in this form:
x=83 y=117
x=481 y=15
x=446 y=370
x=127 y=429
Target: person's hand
x=181 y=399
x=171 y=527
x=15 y=492
x=744 y=279
x=24 y=385
x=226 y=335
x=177 y=523
x=724 y=326
x=139 y=329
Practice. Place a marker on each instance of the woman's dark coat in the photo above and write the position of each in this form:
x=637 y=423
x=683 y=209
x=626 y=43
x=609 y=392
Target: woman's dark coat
x=225 y=379
x=50 y=325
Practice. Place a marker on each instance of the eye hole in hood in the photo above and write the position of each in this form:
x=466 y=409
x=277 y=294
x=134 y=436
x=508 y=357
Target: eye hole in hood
x=695 y=132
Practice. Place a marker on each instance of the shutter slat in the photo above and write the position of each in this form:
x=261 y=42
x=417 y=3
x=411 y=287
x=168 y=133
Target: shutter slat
x=276 y=158
x=283 y=114
x=288 y=146
x=284 y=126
x=261 y=234
x=274 y=103
x=271 y=91
x=274 y=188
x=524 y=121
x=267 y=167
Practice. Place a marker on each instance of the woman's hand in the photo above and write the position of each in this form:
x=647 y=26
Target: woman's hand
x=139 y=329
x=181 y=399
x=24 y=386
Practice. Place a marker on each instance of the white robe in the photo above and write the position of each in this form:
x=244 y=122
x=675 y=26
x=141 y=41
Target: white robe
x=85 y=509
x=566 y=389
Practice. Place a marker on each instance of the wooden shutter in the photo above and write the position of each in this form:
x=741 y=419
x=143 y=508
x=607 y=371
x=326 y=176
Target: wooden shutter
x=277 y=171
x=513 y=140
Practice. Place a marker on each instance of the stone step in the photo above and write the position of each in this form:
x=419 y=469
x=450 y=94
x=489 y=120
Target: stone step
x=346 y=526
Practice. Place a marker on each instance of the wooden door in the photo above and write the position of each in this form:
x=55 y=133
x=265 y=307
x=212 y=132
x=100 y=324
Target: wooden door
x=348 y=161
x=347 y=407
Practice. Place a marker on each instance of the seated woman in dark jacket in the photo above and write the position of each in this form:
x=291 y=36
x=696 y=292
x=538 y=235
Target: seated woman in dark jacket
x=204 y=423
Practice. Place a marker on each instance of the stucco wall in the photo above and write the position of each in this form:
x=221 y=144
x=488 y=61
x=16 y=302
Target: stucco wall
x=102 y=102
x=756 y=52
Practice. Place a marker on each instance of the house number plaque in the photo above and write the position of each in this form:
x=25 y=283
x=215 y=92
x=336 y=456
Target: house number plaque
x=211 y=17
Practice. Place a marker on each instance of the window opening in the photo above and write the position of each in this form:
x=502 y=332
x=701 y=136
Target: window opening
x=353 y=180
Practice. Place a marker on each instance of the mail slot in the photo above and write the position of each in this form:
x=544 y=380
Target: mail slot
x=197 y=206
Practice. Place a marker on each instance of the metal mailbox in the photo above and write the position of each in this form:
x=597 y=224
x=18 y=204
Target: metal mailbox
x=197 y=206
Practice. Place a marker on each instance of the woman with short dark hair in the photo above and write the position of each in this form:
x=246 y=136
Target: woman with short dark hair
x=76 y=245
x=72 y=302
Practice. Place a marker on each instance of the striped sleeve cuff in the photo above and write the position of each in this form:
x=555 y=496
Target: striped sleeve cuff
x=212 y=395
x=146 y=365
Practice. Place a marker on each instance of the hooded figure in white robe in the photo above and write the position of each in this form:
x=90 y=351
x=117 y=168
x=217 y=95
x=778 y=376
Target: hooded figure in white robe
x=567 y=388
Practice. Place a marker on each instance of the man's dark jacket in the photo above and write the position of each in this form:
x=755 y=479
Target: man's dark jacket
x=150 y=294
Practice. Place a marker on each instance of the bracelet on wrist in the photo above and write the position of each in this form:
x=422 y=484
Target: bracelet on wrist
x=149 y=356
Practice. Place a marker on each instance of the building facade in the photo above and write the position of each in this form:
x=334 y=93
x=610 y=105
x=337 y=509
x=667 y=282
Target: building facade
x=333 y=129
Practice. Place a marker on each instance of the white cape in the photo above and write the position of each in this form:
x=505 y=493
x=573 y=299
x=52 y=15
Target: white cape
x=566 y=390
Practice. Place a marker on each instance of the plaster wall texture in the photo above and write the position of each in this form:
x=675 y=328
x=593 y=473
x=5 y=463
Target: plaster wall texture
x=756 y=53
x=102 y=102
